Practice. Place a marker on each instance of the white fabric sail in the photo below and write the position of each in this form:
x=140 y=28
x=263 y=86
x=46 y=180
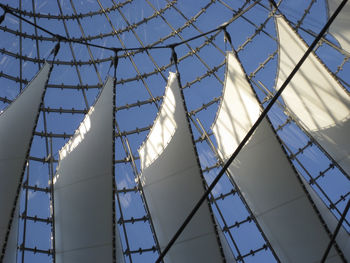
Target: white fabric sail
x=314 y=96
x=265 y=176
x=340 y=27
x=238 y=109
x=83 y=188
x=11 y=249
x=172 y=184
x=17 y=124
x=343 y=237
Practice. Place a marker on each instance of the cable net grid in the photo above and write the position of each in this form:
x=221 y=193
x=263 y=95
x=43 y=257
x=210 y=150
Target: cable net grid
x=73 y=85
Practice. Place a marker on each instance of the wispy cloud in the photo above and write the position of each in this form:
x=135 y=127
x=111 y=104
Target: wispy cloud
x=12 y=20
x=3 y=60
x=38 y=7
x=31 y=194
x=125 y=199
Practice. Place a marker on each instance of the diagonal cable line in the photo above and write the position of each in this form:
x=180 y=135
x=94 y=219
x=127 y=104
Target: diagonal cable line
x=170 y=46
x=251 y=131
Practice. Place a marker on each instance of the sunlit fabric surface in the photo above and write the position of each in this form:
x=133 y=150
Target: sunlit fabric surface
x=16 y=130
x=239 y=99
x=172 y=184
x=314 y=96
x=163 y=129
x=143 y=34
x=269 y=183
x=83 y=188
x=340 y=27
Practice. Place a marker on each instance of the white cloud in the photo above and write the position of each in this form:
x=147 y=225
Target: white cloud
x=31 y=194
x=125 y=199
x=41 y=5
x=3 y=60
x=12 y=20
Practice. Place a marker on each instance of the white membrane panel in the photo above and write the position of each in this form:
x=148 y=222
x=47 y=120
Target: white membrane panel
x=16 y=130
x=11 y=249
x=269 y=183
x=343 y=237
x=225 y=246
x=172 y=184
x=314 y=96
x=83 y=192
x=340 y=27
x=239 y=98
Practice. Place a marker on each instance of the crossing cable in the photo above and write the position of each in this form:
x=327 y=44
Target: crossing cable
x=114 y=226
x=191 y=50
x=124 y=139
x=212 y=199
x=59 y=37
x=312 y=141
x=101 y=35
x=50 y=163
x=174 y=60
x=54 y=52
x=52 y=202
x=290 y=118
x=238 y=191
x=68 y=16
x=336 y=230
x=251 y=131
x=298 y=26
x=197 y=28
x=73 y=55
x=306 y=12
x=93 y=60
x=20 y=49
x=85 y=39
x=131 y=159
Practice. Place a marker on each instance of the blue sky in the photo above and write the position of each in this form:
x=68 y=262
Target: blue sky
x=191 y=68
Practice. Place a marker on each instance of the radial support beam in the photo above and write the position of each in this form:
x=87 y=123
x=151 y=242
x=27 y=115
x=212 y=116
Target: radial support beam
x=17 y=125
x=314 y=96
x=172 y=183
x=265 y=176
x=339 y=235
x=341 y=26
x=83 y=187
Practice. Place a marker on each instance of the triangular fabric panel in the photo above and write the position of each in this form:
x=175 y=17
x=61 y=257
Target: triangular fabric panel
x=17 y=124
x=343 y=237
x=314 y=96
x=172 y=184
x=265 y=176
x=230 y=258
x=340 y=27
x=11 y=249
x=238 y=109
x=83 y=188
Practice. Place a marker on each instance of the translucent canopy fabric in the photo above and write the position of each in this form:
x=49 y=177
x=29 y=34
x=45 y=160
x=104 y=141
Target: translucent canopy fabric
x=172 y=183
x=230 y=128
x=83 y=188
x=17 y=124
x=340 y=27
x=267 y=179
x=314 y=96
x=163 y=128
x=136 y=31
